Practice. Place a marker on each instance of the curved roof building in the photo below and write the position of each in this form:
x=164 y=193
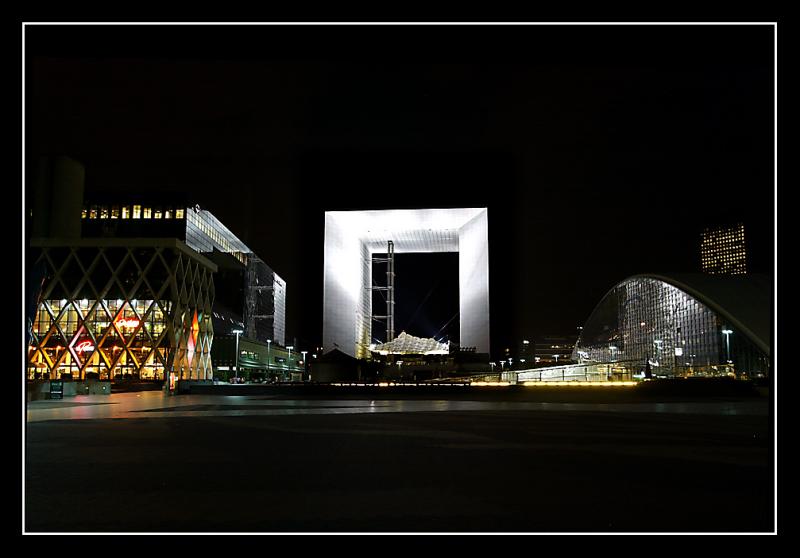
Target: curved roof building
x=682 y=325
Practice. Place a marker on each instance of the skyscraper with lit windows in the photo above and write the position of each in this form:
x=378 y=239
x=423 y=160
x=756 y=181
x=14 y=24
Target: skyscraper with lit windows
x=722 y=250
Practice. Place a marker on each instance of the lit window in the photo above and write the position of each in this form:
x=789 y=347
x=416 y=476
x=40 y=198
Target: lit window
x=84 y=213
x=93 y=212
x=126 y=212
x=179 y=213
x=168 y=213
x=146 y=213
x=137 y=211
x=115 y=212
x=103 y=212
x=157 y=213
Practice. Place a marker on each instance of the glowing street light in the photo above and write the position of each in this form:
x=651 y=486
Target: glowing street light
x=289 y=359
x=304 y=362
x=727 y=334
x=238 y=332
x=269 y=354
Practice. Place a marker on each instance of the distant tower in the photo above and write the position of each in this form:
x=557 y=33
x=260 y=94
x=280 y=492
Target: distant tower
x=57 y=198
x=722 y=250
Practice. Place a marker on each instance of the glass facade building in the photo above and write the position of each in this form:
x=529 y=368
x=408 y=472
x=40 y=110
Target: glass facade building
x=115 y=309
x=677 y=327
x=263 y=303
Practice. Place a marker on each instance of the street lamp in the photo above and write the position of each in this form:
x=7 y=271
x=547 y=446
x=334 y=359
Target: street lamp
x=492 y=364
x=238 y=332
x=727 y=334
x=305 y=368
x=556 y=357
x=289 y=359
x=269 y=355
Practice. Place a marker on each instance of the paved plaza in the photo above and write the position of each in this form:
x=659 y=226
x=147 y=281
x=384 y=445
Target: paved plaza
x=483 y=462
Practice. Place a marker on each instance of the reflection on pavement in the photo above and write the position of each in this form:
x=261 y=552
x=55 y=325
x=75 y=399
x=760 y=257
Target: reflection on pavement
x=150 y=404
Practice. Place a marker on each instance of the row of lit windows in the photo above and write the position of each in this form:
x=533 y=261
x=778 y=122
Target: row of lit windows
x=723 y=235
x=723 y=261
x=722 y=248
x=131 y=212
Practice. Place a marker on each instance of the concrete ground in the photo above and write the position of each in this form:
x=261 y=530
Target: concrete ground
x=489 y=461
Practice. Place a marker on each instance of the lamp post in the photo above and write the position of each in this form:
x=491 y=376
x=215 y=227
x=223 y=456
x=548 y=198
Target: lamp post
x=556 y=357
x=289 y=360
x=727 y=334
x=269 y=355
x=238 y=332
x=305 y=368
x=492 y=364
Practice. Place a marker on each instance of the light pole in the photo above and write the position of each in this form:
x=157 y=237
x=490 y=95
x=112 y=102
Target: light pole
x=492 y=364
x=727 y=334
x=556 y=357
x=305 y=368
x=269 y=355
x=238 y=332
x=289 y=360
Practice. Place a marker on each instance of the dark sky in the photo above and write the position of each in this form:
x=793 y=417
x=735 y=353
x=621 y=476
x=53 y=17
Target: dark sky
x=600 y=151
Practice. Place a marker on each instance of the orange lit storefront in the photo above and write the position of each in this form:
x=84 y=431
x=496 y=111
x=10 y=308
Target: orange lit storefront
x=114 y=309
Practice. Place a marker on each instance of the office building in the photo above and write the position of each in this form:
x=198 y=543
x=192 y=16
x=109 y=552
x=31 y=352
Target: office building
x=722 y=250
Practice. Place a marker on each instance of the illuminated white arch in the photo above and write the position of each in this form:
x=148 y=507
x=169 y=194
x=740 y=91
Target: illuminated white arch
x=351 y=237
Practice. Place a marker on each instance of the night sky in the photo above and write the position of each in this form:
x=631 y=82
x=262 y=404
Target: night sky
x=600 y=151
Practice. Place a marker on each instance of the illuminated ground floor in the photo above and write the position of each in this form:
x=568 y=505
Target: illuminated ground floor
x=113 y=310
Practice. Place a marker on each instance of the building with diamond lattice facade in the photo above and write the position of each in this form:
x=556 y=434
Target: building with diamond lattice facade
x=123 y=286
x=121 y=308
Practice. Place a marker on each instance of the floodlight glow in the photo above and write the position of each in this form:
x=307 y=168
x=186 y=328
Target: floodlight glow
x=351 y=237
